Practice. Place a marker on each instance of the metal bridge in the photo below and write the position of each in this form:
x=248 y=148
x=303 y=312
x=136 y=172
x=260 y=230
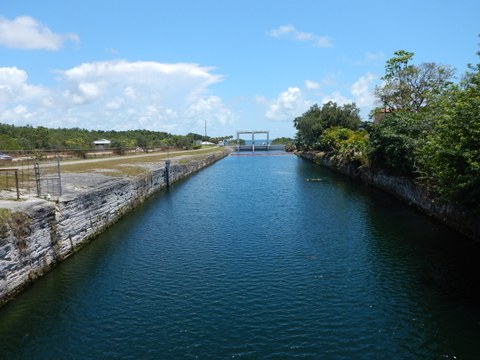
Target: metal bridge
x=254 y=148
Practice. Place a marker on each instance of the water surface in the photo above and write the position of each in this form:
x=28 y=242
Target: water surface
x=247 y=259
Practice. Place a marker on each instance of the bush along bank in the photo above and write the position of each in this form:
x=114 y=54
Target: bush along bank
x=36 y=234
x=422 y=144
x=404 y=188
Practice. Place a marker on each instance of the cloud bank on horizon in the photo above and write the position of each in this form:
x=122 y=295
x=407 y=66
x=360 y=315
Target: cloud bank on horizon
x=116 y=95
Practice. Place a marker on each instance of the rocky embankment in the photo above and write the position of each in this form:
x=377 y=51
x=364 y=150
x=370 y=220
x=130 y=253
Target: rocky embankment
x=36 y=234
x=406 y=190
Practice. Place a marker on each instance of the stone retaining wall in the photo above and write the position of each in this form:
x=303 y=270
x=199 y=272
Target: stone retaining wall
x=406 y=190
x=36 y=234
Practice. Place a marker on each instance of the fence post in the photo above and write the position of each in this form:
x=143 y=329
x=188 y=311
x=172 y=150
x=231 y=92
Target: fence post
x=167 y=172
x=37 y=178
x=59 y=178
x=16 y=184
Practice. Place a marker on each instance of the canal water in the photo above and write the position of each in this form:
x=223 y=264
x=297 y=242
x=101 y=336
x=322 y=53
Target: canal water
x=248 y=260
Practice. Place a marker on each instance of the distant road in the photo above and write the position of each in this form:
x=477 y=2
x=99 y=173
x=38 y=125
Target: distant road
x=120 y=157
x=171 y=154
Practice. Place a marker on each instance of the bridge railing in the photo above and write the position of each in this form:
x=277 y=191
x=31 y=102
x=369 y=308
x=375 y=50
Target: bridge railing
x=254 y=147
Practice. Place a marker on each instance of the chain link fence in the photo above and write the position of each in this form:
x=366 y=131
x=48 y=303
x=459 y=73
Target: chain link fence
x=28 y=177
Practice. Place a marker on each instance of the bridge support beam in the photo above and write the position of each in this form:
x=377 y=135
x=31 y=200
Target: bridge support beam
x=253 y=138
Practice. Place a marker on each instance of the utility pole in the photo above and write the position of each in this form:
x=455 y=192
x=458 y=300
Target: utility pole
x=205 y=130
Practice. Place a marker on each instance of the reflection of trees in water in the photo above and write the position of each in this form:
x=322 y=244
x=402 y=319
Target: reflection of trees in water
x=435 y=269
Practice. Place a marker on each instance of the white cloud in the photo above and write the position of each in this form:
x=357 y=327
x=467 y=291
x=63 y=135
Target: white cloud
x=18 y=113
x=25 y=32
x=288 y=105
x=311 y=85
x=295 y=101
x=179 y=83
x=89 y=91
x=260 y=100
x=363 y=92
x=118 y=95
x=210 y=109
x=130 y=93
x=115 y=104
x=336 y=97
x=289 y=31
x=372 y=58
x=14 y=86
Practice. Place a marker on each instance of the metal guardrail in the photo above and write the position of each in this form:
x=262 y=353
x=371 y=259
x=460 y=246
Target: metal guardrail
x=31 y=178
x=257 y=147
x=15 y=172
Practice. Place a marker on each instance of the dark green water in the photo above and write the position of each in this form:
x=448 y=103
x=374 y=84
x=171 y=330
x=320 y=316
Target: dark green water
x=248 y=260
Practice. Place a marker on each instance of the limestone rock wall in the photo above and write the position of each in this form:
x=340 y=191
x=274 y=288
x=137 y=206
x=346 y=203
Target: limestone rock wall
x=27 y=247
x=406 y=190
x=36 y=234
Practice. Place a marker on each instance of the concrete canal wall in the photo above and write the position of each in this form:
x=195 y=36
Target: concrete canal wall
x=36 y=234
x=406 y=190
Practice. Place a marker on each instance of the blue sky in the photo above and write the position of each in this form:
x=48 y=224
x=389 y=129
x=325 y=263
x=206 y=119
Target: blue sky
x=238 y=65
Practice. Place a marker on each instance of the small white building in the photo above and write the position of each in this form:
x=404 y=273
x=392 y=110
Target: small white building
x=102 y=144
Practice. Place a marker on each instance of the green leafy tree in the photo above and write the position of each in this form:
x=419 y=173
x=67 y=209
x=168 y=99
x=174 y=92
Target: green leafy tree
x=346 y=116
x=198 y=137
x=282 y=141
x=333 y=137
x=345 y=145
x=30 y=138
x=8 y=143
x=168 y=141
x=450 y=159
x=77 y=143
x=412 y=95
x=311 y=125
x=411 y=87
x=118 y=146
x=142 y=141
x=41 y=138
x=394 y=142
x=216 y=140
x=234 y=142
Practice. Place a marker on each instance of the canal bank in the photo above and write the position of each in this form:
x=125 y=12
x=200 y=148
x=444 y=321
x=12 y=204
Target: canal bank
x=36 y=234
x=405 y=189
x=247 y=259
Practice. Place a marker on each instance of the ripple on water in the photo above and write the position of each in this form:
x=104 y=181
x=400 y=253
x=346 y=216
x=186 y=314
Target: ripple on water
x=248 y=260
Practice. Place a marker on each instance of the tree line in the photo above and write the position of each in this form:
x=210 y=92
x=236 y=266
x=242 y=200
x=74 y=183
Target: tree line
x=427 y=127
x=15 y=138
x=19 y=138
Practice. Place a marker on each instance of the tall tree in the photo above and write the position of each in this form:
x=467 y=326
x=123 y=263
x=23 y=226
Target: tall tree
x=450 y=160
x=411 y=87
x=41 y=138
x=309 y=127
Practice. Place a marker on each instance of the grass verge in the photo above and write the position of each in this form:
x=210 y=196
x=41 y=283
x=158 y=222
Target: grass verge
x=134 y=165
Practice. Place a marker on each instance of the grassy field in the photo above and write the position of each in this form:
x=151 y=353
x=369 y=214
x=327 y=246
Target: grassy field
x=127 y=165
x=133 y=165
